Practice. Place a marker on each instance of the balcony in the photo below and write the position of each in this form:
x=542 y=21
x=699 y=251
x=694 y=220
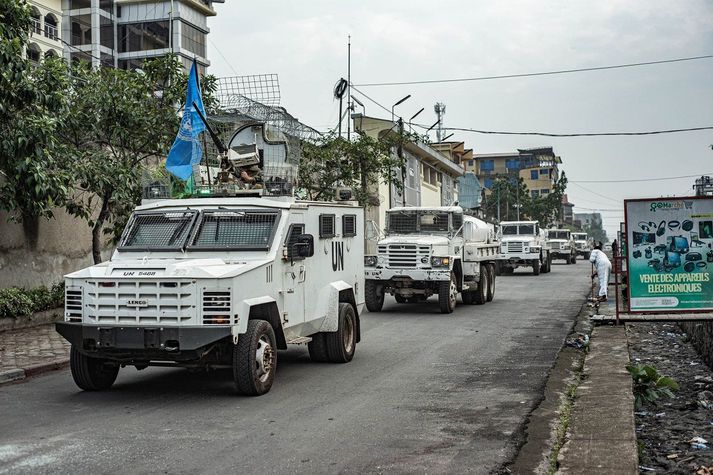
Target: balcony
x=51 y=32
x=36 y=26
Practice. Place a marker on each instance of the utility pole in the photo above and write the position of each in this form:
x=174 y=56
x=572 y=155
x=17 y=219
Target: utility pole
x=400 y=152
x=517 y=197
x=498 y=203
x=350 y=107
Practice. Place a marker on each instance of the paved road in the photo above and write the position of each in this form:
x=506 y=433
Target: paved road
x=425 y=393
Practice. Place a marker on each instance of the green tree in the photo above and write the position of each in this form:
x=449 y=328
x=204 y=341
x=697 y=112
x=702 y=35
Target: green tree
x=506 y=194
x=357 y=164
x=34 y=100
x=547 y=209
x=119 y=121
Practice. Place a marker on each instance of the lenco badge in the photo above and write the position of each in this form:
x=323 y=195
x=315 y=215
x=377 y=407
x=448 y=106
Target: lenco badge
x=137 y=303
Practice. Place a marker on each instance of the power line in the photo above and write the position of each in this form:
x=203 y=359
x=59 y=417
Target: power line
x=598 y=194
x=639 y=179
x=370 y=99
x=587 y=134
x=542 y=73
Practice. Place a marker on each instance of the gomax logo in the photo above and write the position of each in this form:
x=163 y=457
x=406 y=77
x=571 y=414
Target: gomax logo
x=337 y=256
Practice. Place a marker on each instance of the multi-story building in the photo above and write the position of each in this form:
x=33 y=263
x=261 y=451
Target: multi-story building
x=430 y=176
x=46 y=38
x=588 y=220
x=567 y=210
x=122 y=33
x=539 y=168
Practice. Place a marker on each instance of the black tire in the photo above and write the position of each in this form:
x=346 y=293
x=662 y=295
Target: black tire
x=342 y=343
x=400 y=299
x=255 y=359
x=547 y=265
x=91 y=374
x=536 y=267
x=480 y=296
x=447 y=294
x=318 y=348
x=468 y=297
x=374 y=301
x=491 y=282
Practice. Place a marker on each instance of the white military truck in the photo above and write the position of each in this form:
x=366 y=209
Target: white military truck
x=432 y=250
x=522 y=244
x=561 y=245
x=220 y=283
x=582 y=244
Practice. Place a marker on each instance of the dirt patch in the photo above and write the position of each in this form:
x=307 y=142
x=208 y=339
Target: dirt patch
x=664 y=430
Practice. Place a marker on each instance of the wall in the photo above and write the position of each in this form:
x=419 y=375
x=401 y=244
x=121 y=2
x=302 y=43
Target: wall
x=701 y=334
x=63 y=246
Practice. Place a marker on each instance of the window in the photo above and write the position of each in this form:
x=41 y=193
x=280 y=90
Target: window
x=143 y=36
x=326 y=225
x=534 y=175
x=157 y=231
x=512 y=163
x=349 y=225
x=81 y=26
x=488 y=183
x=292 y=235
x=130 y=64
x=487 y=165
x=545 y=192
x=107 y=60
x=106 y=32
x=457 y=221
x=545 y=171
x=106 y=5
x=51 y=26
x=433 y=221
x=535 y=193
x=193 y=39
x=234 y=229
x=75 y=4
x=431 y=175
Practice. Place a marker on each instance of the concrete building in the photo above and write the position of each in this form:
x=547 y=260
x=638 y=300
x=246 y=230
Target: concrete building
x=122 y=33
x=589 y=220
x=538 y=167
x=567 y=210
x=430 y=175
x=45 y=38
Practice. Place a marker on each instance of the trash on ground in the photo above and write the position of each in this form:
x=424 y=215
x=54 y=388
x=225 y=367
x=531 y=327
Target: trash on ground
x=699 y=446
x=672 y=456
x=646 y=469
x=660 y=414
x=645 y=413
x=582 y=341
x=698 y=440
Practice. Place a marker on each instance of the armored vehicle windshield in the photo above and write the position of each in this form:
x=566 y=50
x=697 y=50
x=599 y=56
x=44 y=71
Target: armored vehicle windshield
x=518 y=229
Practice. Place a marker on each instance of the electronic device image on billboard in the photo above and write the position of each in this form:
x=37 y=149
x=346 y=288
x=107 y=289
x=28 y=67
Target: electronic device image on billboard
x=671 y=256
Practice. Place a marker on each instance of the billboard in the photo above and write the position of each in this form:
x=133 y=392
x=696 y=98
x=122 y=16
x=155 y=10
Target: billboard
x=670 y=254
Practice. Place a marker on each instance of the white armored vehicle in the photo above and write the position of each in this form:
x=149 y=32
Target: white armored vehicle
x=582 y=244
x=220 y=283
x=432 y=250
x=562 y=245
x=522 y=244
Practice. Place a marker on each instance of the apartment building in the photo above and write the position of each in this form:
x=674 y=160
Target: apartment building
x=123 y=33
x=45 y=37
x=538 y=167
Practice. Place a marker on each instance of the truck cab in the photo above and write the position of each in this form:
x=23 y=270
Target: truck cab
x=561 y=244
x=220 y=282
x=582 y=244
x=522 y=244
x=432 y=251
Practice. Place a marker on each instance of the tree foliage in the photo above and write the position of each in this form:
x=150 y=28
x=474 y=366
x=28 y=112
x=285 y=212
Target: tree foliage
x=358 y=164
x=119 y=121
x=34 y=100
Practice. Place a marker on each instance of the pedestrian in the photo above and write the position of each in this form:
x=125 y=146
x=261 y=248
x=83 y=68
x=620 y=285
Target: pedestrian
x=615 y=248
x=603 y=269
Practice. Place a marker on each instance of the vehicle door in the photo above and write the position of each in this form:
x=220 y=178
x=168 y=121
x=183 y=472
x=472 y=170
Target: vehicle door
x=294 y=276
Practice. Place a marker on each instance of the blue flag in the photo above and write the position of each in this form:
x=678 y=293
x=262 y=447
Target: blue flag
x=186 y=150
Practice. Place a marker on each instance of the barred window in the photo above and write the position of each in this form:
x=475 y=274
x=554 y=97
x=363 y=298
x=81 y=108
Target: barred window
x=457 y=221
x=434 y=221
x=326 y=225
x=349 y=225
x=402 y=222
x=157 y=231
x=292 y=235
x=234 y=229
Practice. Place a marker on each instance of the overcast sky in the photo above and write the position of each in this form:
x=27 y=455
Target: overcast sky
x=305 y=43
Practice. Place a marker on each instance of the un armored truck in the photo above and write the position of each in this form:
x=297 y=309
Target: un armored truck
x=582 y=244
x=220 y=283
x=523 y=244
x=432 y=250
x=562 y=245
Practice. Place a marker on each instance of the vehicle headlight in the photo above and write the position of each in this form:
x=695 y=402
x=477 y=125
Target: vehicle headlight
x=370 y=261
x=440 y=261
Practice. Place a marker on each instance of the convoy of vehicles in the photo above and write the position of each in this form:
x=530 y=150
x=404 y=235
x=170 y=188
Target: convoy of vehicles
x=582 y=244
x=561 y=245
x=432 y=251
x=523 y=244
x=220 y=283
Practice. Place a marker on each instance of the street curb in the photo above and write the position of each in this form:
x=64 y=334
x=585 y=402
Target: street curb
x=18 y=374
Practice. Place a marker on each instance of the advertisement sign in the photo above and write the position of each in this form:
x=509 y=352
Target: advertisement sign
x=670 y=254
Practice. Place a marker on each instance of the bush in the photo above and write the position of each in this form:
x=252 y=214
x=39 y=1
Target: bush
x=17 y=302
x=649 y=385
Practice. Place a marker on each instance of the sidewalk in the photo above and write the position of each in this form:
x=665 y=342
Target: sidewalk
x=601 y=437
x=31 y=351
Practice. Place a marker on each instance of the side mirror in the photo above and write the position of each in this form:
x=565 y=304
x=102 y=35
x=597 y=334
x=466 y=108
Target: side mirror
x=304 y=247
x=373 y=233
x=468 y=233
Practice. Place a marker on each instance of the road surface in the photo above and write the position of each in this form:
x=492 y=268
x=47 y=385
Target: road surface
x=425 y=392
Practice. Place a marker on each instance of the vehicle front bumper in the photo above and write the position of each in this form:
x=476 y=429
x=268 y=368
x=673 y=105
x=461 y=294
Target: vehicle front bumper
x=418 y=275
x=155 y=339
x=561 y=254
x=519 y=256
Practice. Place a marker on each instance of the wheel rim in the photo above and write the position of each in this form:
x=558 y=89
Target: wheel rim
x=452 y=294
x=264 y=359
x=348 y=334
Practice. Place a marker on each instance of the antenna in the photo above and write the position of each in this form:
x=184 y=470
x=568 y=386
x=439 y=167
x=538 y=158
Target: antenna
x=440 y=110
